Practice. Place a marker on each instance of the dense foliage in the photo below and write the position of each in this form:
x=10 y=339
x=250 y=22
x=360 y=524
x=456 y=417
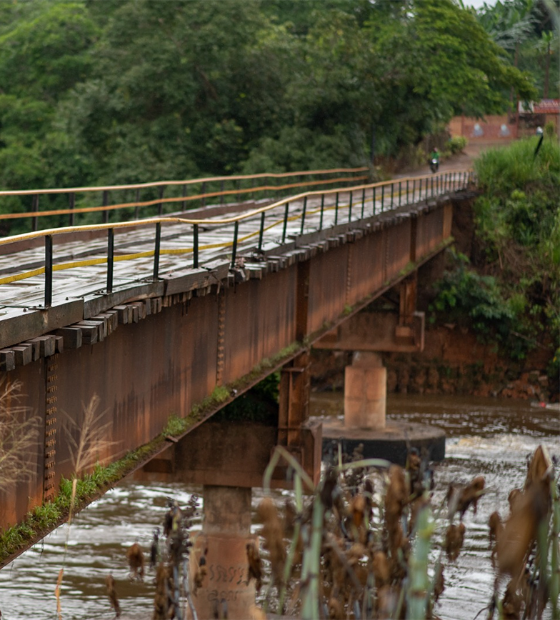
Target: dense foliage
x=118 y=91
x=514 y=298
x=524 y=29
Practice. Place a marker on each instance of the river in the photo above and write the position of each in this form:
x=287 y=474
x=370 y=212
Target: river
x=485 y=436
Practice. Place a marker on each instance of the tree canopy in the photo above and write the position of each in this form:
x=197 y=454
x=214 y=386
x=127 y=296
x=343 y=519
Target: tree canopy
x=119 y=91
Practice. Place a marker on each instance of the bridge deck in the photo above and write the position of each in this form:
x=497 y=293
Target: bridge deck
x=156 y=347
x=215 y=242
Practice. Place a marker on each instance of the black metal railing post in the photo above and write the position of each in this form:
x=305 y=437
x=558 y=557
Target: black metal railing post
x=285 y=222
x=373 y=199
x=322 y=211
x=71 y=203
x=432 y=179
x=400 y=193
x=195 y=246
x=161 y=191
x=382 y=197
x=156 y=250
x=407 y=194
x=48 y=270
x=234 y=248
x=303 y=214
x=261 y=231
x=336 y=210
x=392 y=193
x=350 y=208
x=413 y=190
x=363 y=201
x=110 y=258
x=35 y=220
x=105 y=203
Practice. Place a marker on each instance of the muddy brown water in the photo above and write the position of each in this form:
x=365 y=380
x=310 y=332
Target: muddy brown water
x=485 y=436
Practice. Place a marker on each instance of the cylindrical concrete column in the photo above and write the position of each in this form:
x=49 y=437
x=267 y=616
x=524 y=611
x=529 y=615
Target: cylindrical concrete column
x=226 y=530
x=365 y=392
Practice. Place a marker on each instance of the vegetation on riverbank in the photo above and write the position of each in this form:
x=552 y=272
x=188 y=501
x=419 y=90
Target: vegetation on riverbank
x=508 y=292
x=370 y=544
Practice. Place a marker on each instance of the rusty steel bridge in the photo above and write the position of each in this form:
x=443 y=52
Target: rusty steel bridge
x=159 y=315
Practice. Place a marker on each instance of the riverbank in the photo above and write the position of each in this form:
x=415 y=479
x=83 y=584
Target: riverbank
x=453 y=362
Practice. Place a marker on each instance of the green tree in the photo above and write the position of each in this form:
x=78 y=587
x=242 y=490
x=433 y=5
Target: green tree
x=167 y=96
x=524 y=29
x=43 y=54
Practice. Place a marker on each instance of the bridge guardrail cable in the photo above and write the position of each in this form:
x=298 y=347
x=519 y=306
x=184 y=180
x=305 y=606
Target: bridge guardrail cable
x=423 y=187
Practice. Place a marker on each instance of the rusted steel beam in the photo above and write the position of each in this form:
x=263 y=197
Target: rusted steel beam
x=150 y=365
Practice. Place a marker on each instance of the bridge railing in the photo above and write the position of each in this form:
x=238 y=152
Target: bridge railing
x=313 y=210
x=96 y=204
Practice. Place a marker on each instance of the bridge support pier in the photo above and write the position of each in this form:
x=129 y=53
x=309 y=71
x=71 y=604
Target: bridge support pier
x=368 y=334
x=226 y=530
x=365 y=392
x=228 y=459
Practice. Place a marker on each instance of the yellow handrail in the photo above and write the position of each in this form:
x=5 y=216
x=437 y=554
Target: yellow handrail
x=126 y=257
x=227 y=220
x=148 y=203
x=262 y=175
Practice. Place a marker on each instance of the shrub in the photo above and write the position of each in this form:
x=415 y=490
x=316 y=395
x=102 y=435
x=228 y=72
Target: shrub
x=456 y=145
x=476 y=302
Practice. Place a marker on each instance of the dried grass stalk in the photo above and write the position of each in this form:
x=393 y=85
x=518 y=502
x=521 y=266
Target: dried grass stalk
x=18 y=436
x=92 y=441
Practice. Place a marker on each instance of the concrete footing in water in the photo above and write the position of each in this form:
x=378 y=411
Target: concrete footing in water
x=391 y=442
x=365 y=422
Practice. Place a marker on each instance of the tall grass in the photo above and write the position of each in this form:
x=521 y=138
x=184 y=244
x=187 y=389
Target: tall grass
x=369 y=554
x=501 y=170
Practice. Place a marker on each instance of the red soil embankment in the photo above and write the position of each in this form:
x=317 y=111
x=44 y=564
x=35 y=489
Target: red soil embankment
x=453 y=362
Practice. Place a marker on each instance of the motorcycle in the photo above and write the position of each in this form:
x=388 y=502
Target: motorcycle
x=434 y=165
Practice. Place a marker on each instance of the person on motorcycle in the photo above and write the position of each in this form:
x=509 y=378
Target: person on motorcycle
x=434 y=159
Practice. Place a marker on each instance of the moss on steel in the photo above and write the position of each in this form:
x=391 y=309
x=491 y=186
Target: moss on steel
x=43 y=519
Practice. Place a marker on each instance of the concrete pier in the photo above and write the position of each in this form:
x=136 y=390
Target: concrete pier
x=365 y=392
x=223 y=540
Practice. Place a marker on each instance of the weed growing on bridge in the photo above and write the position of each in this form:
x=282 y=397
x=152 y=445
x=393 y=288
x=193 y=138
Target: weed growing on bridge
x=43 y=519
x=175 y=426
x=218 y=396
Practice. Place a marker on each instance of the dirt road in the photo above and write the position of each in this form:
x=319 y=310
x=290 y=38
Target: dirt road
x=460 y=161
